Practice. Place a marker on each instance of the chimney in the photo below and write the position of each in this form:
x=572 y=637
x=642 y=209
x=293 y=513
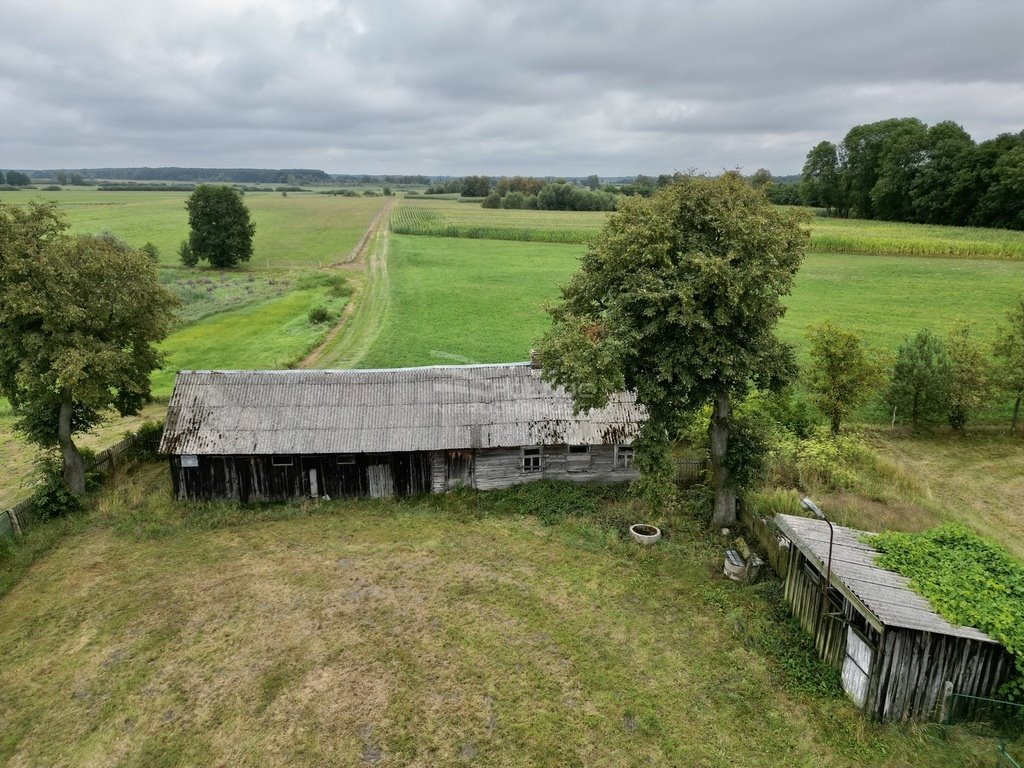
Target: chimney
x=534 y=359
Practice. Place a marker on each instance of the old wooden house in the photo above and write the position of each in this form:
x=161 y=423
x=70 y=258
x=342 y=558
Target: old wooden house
x=275 y=435
x=897 y=655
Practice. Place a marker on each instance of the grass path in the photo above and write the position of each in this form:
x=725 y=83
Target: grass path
x=359 y=326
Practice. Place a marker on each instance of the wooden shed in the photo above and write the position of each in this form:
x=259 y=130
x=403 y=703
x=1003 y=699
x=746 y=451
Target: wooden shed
x=895 y=652
x=276 y=435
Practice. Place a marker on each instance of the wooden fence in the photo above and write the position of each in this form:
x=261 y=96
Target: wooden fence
x=21 y=517
x=768 y=538
x=690 y=471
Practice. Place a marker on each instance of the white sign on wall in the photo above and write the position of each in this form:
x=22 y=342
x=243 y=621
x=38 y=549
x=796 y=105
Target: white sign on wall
x=188 y=460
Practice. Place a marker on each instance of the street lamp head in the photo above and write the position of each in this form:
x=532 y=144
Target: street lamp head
x=810 y=506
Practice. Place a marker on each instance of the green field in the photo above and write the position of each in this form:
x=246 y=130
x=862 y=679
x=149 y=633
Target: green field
x=300 y=230
x=459 y=300
x=271 y=334
x=444 y=218
x=437 y=631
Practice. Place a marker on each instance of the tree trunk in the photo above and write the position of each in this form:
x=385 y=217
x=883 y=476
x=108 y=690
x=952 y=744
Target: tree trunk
x=718 y=432
x=835 y=423
x=74 y=467
x=1016 y=412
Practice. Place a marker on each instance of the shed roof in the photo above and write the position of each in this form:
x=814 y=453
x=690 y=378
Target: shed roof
x=383 y=410
x=855 y=570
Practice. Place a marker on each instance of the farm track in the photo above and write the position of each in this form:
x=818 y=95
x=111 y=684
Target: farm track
x=363 y=315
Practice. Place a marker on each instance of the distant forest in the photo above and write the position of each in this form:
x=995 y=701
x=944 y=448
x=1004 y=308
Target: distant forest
x=903 y=170
x=227 y=175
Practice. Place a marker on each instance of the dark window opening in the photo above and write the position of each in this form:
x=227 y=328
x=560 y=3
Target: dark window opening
x=532 y=459
x=281 y=461
x=347 y=459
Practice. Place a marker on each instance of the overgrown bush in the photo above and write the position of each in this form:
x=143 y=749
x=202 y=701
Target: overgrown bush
x=51 y=497
x=320 y=315
x=147 y=440
x=969 y=581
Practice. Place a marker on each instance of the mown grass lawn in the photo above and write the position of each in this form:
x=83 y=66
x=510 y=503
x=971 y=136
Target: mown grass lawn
x=434 y=631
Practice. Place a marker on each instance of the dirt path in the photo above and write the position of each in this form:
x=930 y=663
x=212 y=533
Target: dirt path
x=362 y=316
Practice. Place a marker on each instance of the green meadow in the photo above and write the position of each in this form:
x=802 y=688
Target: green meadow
x=304 y=229
x=463 y=300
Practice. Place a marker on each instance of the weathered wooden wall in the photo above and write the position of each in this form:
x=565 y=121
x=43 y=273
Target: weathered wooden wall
x=256 y=478
x=911 y=668
x=503 y=467
x=824 y=619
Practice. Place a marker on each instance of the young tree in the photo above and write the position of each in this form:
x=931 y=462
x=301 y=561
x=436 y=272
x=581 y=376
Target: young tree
x=677 y=300
x=79 y=317
x=221 y=230
x=1009 y=353
x=920 y=379
x=970 y=381
x=841 y=373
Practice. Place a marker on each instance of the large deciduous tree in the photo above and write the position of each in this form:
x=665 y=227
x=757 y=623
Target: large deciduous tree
x=677 y=300
x=822 y=182
x=840 y=373
x=79 y=317
x=1009 y=353
x=221 y=231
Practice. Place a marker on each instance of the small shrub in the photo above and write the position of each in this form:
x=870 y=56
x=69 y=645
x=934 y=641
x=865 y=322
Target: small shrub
x=188 y=258
x=52 y=188
x=151 y=251
x=147 y=441
x=320 y=315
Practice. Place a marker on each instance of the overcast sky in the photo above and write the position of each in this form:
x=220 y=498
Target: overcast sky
x=496 y=87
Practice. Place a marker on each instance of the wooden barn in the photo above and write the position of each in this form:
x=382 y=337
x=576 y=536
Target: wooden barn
x=276 y=435
x=897 y=655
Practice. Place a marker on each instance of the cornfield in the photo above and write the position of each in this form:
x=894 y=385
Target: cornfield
x=437 y=218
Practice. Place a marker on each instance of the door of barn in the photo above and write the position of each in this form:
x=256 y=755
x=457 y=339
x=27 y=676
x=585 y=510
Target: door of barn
x=380 y=480
x=857 y=667
x=458 y=469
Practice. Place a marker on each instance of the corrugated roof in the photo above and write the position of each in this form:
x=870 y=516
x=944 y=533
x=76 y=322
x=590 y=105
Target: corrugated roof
x=854 y=564
x=383 y=410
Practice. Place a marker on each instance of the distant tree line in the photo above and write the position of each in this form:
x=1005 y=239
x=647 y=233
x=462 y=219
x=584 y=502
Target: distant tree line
x=903 y=170
x=240 y=175
x=15 y=179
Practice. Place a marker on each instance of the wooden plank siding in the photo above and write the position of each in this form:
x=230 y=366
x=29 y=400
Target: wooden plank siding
x=279 y=478
x=270 y=478
x=914 y=654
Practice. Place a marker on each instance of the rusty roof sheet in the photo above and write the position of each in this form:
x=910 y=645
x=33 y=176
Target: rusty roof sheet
x=383 y=410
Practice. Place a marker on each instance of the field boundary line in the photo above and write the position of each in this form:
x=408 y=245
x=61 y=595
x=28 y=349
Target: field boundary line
x=371 y=229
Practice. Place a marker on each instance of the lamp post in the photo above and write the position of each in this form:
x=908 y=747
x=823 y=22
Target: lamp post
x=810 y=506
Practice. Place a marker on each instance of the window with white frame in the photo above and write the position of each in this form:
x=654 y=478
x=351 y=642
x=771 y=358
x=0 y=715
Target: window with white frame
x=623 y=456
x=346 y=459
x=281 y=461
x=533 y=459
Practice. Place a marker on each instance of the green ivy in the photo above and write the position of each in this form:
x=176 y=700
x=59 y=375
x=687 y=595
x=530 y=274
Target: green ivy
x=969 y=581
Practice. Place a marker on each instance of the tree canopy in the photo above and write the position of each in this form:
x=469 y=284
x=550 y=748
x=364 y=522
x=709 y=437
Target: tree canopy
x=79 y=317
x=221 y=230
x=902 y=170
x=677 y=300
x=840 y=373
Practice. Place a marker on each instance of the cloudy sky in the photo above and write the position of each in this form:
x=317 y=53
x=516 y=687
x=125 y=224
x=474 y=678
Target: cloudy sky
x=455 y=87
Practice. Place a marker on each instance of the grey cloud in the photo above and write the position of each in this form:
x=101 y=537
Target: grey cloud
x=525 y=87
